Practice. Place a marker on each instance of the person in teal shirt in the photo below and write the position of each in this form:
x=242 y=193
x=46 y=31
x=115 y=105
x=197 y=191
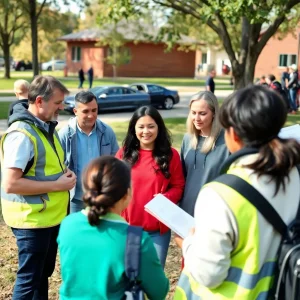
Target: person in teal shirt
x=92 y=242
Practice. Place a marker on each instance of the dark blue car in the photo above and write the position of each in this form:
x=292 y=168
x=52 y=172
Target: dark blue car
x=160 y=96
x=113 y=97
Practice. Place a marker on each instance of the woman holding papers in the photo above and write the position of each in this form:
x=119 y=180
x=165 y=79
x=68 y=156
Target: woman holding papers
x=203 y=148
x=156 y=169
x=232 y=252
x=92 y=243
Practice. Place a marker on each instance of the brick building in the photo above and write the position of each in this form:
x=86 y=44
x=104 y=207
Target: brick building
x=148 y=59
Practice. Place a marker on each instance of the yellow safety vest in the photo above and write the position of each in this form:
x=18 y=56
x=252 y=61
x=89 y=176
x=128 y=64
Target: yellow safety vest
x=245 y=279
x=44 y=210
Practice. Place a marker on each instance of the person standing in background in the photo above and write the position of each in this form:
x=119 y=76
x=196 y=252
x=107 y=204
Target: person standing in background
x=293 y=88
x=21 y=91
x=90 y=73
x=210 y=83
x=81 y=78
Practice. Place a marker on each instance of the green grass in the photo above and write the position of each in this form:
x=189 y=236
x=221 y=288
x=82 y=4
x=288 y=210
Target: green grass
x=72 y=81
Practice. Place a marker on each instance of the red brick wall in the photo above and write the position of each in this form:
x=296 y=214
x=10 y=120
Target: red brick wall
x=268 y=61
x=90 y=55
x=147 y=60
x=150 y=60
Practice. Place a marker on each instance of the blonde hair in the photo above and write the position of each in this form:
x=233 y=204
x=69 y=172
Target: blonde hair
x=213 y=105
x=21 y=86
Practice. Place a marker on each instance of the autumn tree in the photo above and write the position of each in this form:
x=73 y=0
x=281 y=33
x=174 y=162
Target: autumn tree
x=257 y=20
x=35 y=10
x=12 y=29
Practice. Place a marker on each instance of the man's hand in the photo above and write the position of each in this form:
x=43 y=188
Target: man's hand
x=66 y=181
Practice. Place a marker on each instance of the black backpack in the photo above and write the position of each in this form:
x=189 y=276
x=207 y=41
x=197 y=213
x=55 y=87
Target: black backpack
x=132 y=263
x=287 y=276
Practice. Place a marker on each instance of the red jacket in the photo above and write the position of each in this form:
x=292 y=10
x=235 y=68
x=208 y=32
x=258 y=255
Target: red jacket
x=147 y=182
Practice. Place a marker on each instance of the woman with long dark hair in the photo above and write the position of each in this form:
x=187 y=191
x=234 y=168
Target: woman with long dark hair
x=92 y=243
x=232 y=252
x=156 y=168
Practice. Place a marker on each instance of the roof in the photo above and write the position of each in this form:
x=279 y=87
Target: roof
x=130 y=31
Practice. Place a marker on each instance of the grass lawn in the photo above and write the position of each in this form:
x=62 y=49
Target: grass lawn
x=8 y=250
x=72 y=81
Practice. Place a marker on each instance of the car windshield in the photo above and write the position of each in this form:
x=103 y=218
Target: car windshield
x=97 y=90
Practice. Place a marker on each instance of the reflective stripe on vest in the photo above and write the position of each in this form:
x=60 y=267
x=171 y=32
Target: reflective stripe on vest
x=245 y=280
x=44 y=210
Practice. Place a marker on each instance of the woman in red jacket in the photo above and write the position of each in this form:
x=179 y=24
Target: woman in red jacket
x=156 y=168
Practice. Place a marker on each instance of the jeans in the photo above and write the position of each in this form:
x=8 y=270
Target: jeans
x=76 y=206
x=293 y=98
x=37 y=250
x=161 y=244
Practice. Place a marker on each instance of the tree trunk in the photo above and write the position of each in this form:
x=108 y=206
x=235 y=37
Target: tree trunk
x=34 y=36
x=115 y=72
x=6 y=57
x=243 y=77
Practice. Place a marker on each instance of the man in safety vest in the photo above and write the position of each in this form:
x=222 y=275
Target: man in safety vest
x=35 y=186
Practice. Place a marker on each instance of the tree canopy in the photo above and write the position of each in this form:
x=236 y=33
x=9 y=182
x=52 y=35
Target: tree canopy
x=242 y=26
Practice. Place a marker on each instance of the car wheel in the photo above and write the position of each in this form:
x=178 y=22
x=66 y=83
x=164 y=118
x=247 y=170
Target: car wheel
x=22 y=68
x=168 y=103
x=49 y=69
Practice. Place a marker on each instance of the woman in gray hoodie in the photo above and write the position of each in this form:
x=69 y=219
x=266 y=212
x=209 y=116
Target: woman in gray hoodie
x=203 y=148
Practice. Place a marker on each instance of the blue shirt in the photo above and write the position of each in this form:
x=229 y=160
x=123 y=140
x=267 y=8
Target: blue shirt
x=88 y=149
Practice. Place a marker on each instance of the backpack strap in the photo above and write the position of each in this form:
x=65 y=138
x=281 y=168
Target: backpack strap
x=133 y=252
x=298 y=212
x=256 y=199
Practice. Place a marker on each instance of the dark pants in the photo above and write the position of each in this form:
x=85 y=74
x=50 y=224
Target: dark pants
x=37 y=250
x=80 y=83
x=91 y=82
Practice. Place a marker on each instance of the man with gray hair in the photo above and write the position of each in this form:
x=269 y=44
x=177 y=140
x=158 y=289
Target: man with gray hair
x=35 y=186
x=85 y=138
x=21 y=87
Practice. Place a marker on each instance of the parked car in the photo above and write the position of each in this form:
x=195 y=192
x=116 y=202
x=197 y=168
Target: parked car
x=21 y=65
x=1 y=62
x=53 y=65
x=113 y=97
x=160 y=96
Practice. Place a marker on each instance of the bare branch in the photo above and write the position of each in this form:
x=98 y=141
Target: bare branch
x=274 y=26
x=224 y=36
x=41 y=8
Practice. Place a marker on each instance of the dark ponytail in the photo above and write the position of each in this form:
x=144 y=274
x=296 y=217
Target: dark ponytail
x=257 y=114
x=105 y=180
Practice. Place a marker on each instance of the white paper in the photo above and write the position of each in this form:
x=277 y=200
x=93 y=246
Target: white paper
x=290 y=132
x=171 y=215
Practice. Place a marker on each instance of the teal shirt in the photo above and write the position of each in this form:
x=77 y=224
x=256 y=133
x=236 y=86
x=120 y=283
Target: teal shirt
x=92 y=260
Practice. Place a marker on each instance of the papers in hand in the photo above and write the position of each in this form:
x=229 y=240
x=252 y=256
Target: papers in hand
x=171 y=215
x=290 y=132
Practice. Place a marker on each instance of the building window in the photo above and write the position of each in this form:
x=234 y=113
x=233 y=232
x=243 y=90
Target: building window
x=286 y=60
x=76 y=53
x=204 y=58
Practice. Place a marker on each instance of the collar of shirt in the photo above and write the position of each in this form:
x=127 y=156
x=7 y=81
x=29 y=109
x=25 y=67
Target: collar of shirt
x=108 y=216
x=93 y=130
